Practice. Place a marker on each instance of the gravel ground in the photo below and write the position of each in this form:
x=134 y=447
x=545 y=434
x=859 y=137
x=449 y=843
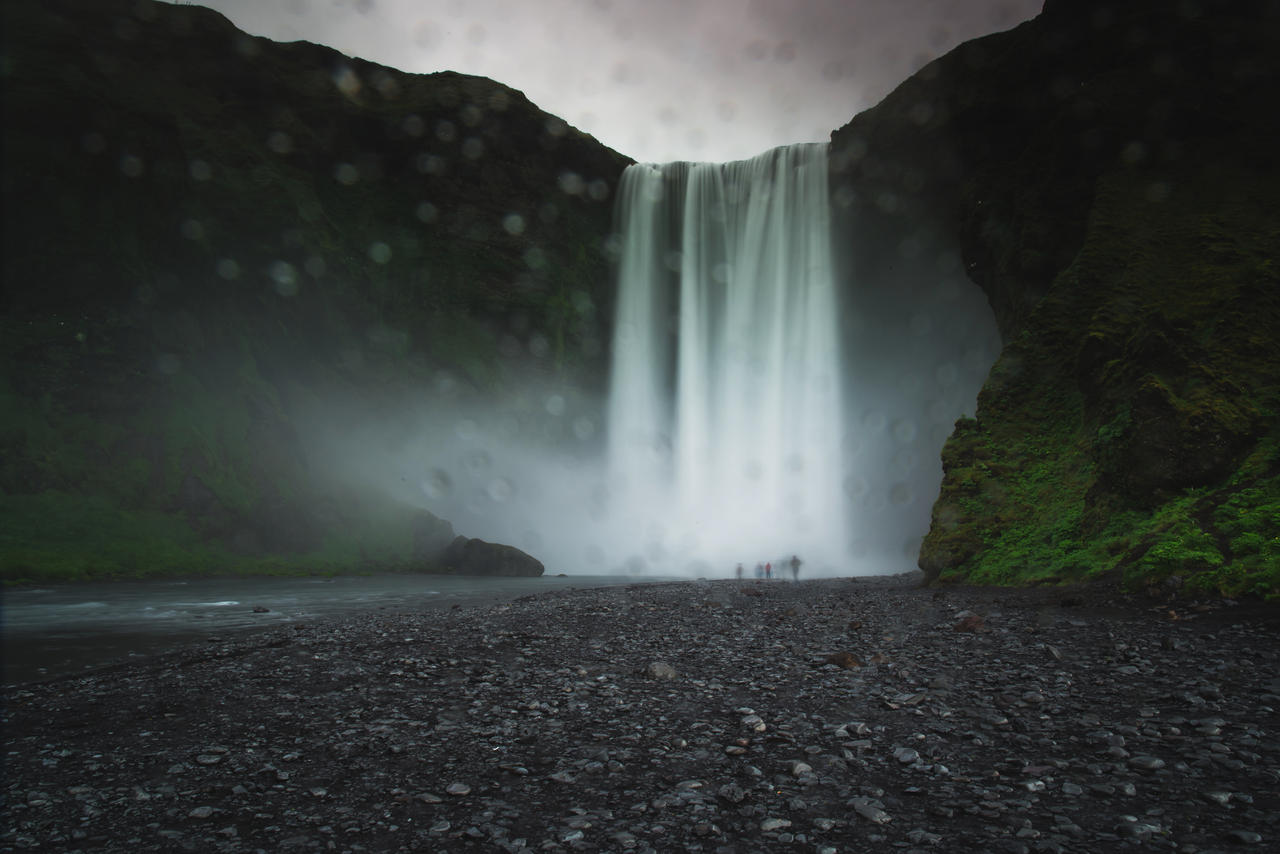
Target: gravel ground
x=830 y=715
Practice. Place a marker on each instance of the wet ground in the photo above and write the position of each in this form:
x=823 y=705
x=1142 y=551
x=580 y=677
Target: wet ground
x=56 y=630
x=826 y=716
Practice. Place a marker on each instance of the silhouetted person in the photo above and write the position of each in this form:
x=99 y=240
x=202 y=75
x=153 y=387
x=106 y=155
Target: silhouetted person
x=768 y=570
x=795 y=567
x=738 y=571
x=759 y=570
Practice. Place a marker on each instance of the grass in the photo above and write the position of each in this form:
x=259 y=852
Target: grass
x=1154 y=452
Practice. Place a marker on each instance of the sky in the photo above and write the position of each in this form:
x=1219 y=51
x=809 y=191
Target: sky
x=657 y=80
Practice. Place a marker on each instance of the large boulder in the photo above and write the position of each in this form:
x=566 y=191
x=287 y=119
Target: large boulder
x=468 y=556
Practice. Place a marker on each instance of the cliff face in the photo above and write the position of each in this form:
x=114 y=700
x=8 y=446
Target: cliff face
x=1109 y=170
x=207 y=235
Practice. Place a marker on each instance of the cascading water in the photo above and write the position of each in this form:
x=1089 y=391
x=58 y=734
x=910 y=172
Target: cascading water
x=753 y=414
x=725 y=411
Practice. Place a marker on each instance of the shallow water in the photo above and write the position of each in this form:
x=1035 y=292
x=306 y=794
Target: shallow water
x=64 y=629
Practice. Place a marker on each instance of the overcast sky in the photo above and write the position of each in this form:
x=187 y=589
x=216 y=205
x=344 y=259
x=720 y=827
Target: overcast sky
x=657 y=80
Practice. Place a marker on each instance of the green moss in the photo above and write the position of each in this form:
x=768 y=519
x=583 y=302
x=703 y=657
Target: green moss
x=1153 y=452
x=56 y=536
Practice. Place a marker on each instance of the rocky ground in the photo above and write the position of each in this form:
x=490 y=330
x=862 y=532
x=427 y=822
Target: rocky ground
x=832 y=715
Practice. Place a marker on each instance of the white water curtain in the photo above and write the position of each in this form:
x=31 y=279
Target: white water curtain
x=724 y=413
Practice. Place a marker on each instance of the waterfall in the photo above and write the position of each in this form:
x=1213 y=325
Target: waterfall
x=724 y=414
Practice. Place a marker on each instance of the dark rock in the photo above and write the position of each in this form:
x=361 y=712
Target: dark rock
x=466 y=556
x=660 y=670
x=843 y=659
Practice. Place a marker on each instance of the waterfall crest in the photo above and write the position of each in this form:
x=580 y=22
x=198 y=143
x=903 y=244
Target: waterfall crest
x=724 y=410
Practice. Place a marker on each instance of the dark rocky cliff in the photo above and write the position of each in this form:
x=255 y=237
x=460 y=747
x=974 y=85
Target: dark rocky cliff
x=206 y=234
x=1110 y=171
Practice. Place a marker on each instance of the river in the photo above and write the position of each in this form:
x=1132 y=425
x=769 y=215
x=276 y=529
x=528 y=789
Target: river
x=59 y=630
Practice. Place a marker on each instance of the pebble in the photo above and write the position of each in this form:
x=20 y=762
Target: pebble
x=870 y=810
x=551 y=728
x=1248 y=837
x=660 y=670
x=1146 y=763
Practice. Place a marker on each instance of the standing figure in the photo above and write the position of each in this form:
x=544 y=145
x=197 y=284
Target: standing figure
x=768 y=570
x=738 y=571
x=795 y=567
x=759 y=570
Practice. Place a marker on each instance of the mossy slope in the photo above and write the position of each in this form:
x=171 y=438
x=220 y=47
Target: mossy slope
x=205 y=233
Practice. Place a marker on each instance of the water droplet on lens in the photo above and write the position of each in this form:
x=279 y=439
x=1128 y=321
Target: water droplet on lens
x=438 y=484
x=228 y=269
x=478 y=462
x=280 y=142
x=501 y=490
x=285 y=276
x=346 y=174
x=200 y=170
x=855 y=486
x=571 y=183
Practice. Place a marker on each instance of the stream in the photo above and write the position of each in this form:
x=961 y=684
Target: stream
x=60 y=630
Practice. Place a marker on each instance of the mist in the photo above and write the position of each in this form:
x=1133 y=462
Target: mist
x=538 y=467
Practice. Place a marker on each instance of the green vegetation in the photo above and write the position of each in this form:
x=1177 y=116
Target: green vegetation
x=1155 y=455
x=55 y=537
x=209 y=236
